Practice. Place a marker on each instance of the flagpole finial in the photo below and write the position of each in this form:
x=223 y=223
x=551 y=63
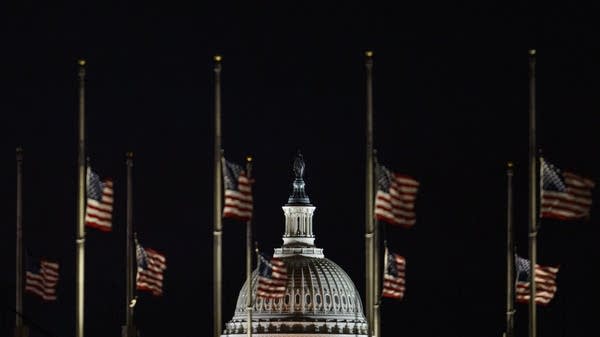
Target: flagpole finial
x=19 y=154
x=81 y=62
x=509 y=164
x=369 y=53
x=532 y=52
x=248 y=166
x=129 y=158
x=218 y=58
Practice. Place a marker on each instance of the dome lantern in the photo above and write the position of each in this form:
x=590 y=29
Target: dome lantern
x=298 y=237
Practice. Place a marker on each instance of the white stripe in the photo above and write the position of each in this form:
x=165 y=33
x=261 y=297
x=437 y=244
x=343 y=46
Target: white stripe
x=405 y=180
x=102 y=223
x=566 y=197
x=100 y=205
x=403 y=189
x=238 y=195
x=236 y=211
x=238 y=204
x=558 y=211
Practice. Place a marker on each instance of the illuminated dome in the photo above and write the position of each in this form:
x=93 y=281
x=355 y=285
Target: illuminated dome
x=320 y=298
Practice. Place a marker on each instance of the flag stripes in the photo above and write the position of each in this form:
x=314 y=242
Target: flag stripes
x=564 y=195
x=150 y=275
x=43 y=282
x=395 y=198
x=238 y=192
x=394 y=276
x=545 y=278
x=98 y=212
x=272 y=277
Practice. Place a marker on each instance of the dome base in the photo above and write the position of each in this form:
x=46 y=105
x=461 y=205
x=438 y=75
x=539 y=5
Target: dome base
x=295 y=251
x=298 y=328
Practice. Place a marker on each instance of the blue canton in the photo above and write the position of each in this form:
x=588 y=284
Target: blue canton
x=391 y=265
x=232 y=172
x=552 y=178
x=141 y=257
x=522 y=269
x=384 y=178
x=265 y=269
x=95 y=186
x=30 y=264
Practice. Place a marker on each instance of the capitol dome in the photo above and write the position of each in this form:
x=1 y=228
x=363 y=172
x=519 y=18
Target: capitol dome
x=320 y=298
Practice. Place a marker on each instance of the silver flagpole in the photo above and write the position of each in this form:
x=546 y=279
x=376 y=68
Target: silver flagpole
x=217 y=197
x=80 y=238
x=376 y=281
x=20 y=328
x=376 y=263
x=129 y=329
x=510 y=255
x=249 y=256
x=533 y=215
x=369 y=223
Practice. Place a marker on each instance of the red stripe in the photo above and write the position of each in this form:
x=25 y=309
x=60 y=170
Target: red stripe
x=97 y=217
x=96 y=225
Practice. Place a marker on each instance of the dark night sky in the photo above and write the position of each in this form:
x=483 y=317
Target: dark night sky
x=451 y=105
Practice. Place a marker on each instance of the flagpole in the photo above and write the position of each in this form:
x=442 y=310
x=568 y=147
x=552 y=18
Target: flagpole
x=369 y=223
x=217 y=197
x=249 y=255
x=20 y=328
x=80 y=238
x=510 y=255
x=129 y=329
x=376 y=280
x=376 y=268
x=532 y=196
x=257 y=253
x=385 y=256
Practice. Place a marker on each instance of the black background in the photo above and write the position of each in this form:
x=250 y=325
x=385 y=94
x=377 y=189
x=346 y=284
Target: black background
x=451 y=108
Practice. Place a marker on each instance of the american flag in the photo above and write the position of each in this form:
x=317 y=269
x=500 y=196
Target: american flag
x=395 y=198
x=394 y=276
x=98 y=213
x=150 y=267
x=564 y=195
x=545 y=278
x=238 y=192
x=272 y=277
x=42 y=281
